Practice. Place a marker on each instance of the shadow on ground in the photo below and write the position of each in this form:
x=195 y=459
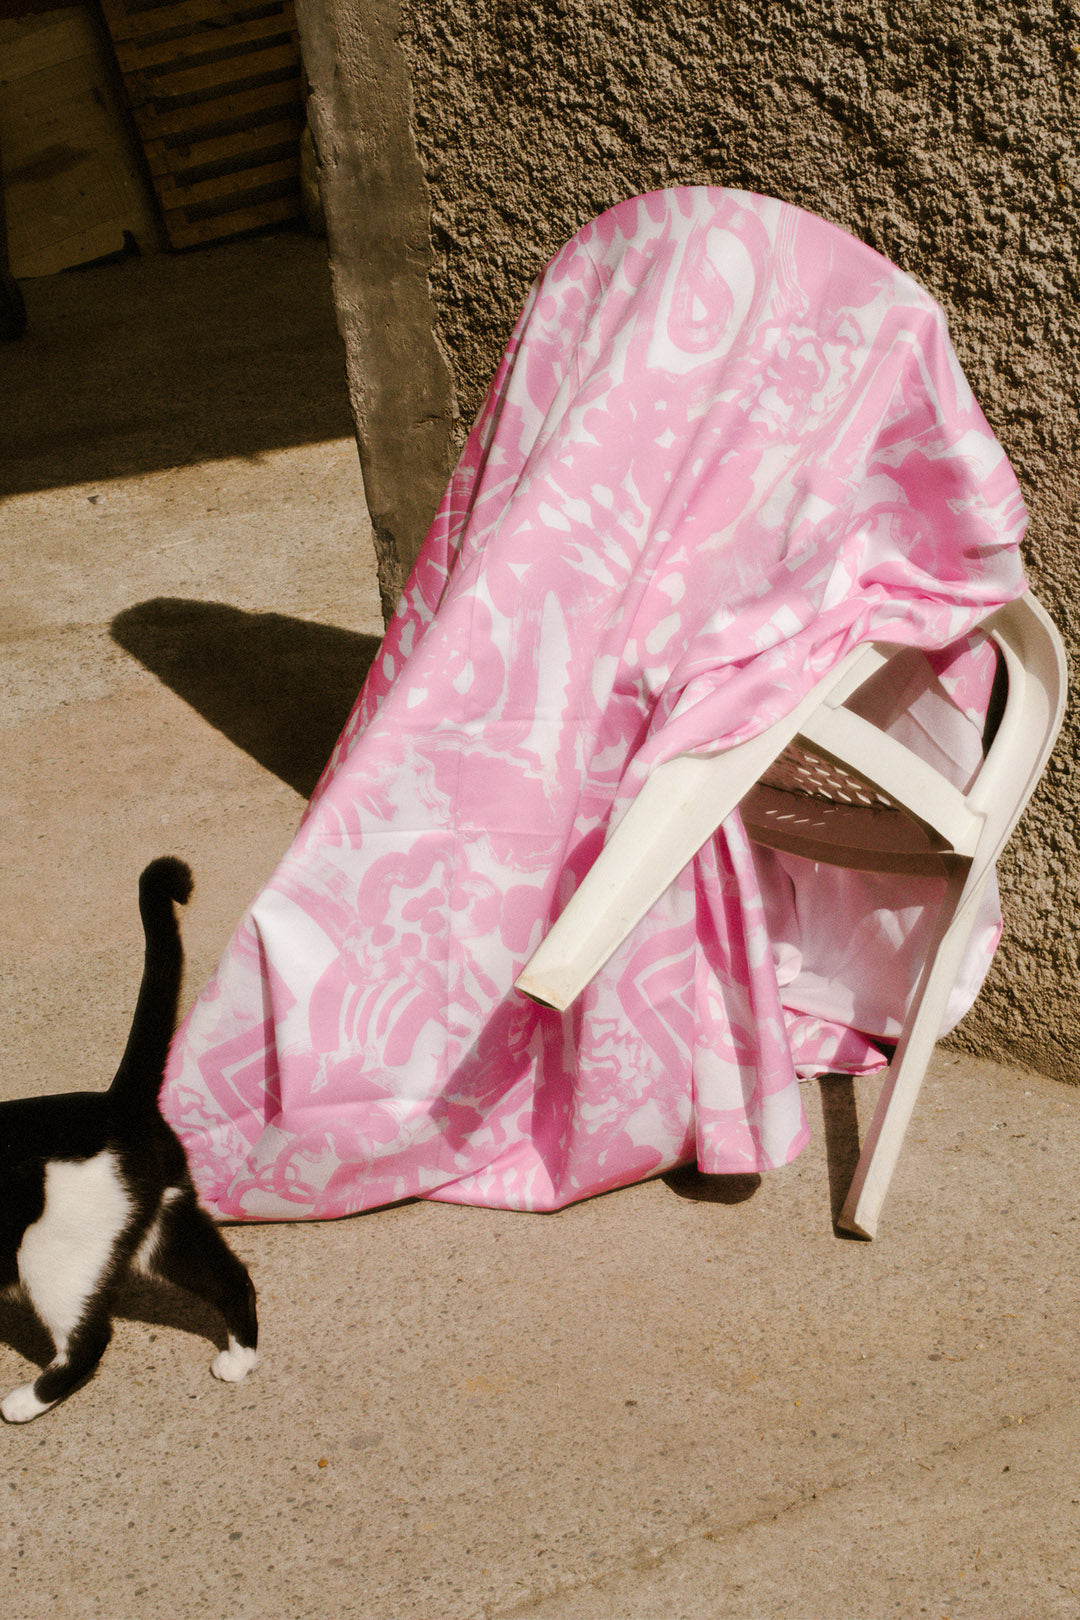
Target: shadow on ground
x=140 y=1299
x=689 y=1182
x=279 y=688
x=839 y=1116
x=102 y=387
x=840 y=1121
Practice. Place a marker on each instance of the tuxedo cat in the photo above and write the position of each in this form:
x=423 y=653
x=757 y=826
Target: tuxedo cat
x=95 y=1183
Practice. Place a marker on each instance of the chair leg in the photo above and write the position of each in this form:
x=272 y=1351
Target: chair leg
x=904 y=1076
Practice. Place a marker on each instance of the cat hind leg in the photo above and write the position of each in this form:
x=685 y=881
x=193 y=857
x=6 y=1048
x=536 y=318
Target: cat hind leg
x=66 y=1262
x=77 y=1354
x=191 y=1252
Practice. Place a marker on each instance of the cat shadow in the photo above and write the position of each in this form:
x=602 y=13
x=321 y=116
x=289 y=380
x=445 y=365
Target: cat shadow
x=150 y=1300
x=159 y=1303
x=22 y=1332
x=279 y=688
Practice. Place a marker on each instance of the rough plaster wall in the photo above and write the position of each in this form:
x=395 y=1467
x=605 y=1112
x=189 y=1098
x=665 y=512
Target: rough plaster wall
x=944 y=135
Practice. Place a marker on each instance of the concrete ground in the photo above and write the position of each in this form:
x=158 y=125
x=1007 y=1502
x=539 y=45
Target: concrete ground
x=686 y=1401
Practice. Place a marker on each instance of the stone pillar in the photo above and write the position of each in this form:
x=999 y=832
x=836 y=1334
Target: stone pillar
x=377 y=210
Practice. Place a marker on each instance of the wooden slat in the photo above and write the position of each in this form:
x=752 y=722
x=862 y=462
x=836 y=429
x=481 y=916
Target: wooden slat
x=211 y=76
x=174 y=194
x=31 y=45
x=176 y=159
x=220 y=113
x=277 y=212
x=127 y=25
x=72 y=184
x=138 y=55
x=237 y=105
x=46 y=258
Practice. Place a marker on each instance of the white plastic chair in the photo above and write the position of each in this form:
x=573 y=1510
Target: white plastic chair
x=914 y=820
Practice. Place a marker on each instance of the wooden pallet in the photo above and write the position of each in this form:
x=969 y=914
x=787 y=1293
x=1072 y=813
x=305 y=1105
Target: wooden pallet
x=217 y=91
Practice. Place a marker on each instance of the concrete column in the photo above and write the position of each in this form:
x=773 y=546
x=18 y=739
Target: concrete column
x=377 y=210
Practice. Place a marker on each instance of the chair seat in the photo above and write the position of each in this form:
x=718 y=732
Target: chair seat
x=800 y=770
x=868 y=838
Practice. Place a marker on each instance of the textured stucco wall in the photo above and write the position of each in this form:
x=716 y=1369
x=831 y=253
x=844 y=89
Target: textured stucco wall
x=944 y=135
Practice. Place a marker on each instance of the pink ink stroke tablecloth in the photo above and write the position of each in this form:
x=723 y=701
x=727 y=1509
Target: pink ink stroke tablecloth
x=726 y=443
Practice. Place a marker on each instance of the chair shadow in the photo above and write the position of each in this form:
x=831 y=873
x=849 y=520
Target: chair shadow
x=840 y=1121
x=690 y=1182
x=279 y=688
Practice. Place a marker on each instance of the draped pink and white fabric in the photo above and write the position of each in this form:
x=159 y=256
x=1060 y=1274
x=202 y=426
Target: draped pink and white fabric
x=727 y=442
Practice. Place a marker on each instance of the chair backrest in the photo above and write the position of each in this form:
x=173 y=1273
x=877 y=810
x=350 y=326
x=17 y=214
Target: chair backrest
x=844 y=793
x=1034 y=708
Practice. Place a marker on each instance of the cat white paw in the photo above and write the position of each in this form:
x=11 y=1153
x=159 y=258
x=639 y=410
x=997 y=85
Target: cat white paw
x=234 y=1363
x=22 y=1405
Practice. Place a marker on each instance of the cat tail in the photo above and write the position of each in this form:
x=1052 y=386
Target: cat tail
x=138 y=1079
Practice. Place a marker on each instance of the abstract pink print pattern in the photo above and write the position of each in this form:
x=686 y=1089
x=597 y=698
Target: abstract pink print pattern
x=726 y=443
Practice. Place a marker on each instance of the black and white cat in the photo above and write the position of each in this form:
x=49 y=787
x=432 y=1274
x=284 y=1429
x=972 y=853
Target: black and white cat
x=95 y=1183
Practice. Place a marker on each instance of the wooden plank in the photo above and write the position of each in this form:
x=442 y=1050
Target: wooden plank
x=176 y=159
x=157 y=51
x=174 y=194
x=277 y=212
x=127 y=25
x=212 y=76
x=46 y=258
x=71 y=182
x=217 y=136
x=237 y=105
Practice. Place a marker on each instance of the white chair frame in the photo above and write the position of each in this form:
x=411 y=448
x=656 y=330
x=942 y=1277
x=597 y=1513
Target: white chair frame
x=920 y=823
